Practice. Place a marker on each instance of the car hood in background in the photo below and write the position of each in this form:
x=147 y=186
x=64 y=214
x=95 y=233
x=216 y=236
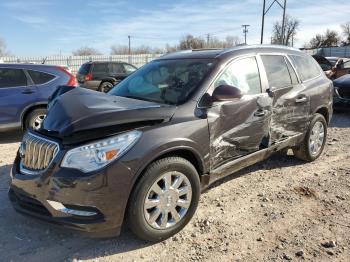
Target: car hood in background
x=82 y=110
x=343 y=82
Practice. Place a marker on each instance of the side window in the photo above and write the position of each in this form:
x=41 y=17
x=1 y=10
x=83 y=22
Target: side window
x=100 y=68
x=347 y=65
x=12 y=77
x=292 y=73
x=243 y=74
x=306 y=66
x=116 y=68
x=40 y=77
x=277 y=71
x=129 y=68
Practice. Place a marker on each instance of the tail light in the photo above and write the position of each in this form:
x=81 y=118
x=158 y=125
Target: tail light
x=72 y=80
x=88 y=77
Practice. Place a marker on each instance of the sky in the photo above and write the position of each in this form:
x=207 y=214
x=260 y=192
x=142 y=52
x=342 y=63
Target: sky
x=49 y=27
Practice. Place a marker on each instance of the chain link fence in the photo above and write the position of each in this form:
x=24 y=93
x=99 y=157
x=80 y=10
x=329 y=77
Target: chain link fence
x=74 y=62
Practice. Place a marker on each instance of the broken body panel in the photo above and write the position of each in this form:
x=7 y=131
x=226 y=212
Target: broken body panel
x=218 y=137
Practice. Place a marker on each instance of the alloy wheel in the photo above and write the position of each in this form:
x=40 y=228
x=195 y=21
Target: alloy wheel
x=168 y=200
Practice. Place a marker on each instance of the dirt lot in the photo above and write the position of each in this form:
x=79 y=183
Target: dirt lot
x=281 y=209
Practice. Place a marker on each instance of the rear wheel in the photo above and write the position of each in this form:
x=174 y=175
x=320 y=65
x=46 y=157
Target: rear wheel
x=314 y=141
x=105 y=87
x=35 y=118
x=164 y=200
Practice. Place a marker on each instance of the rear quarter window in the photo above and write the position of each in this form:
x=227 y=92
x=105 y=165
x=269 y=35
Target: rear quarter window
x=40 y=78
x=306 y=66
x=84 y=69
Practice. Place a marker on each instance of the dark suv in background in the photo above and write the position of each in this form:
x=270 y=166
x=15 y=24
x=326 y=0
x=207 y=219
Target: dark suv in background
x=24 y=93
x=102 y=76
x=148 y=147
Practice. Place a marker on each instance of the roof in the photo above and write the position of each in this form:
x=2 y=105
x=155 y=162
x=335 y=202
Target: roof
x=216 y=53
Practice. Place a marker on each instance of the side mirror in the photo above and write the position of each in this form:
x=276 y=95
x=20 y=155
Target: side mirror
x=226 y=93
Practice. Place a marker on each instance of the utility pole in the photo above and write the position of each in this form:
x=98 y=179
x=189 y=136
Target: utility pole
x=284 y=21
x=266 y=10
x=129 y=45
x=245 y=31
x=263 y=23
x=208 y=39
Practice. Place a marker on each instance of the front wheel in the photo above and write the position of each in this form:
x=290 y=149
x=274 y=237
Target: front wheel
x=314 y=140
x=105 y=87
x=164 y=200
x=35 y=119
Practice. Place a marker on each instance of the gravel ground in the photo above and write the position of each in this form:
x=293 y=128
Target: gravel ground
x=280 y=209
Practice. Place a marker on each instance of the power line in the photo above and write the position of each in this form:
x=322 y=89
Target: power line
x=245 y=32
x=265 y=11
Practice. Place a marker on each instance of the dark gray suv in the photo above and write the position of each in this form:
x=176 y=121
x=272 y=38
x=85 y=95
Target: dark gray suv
x=145 y=151
x=102 y=76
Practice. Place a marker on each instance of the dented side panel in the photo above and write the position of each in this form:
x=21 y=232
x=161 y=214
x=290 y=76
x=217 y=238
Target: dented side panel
x=238 y=127
x=290 y=113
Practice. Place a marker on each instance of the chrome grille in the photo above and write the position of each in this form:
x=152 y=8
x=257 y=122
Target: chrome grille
x=36 y=153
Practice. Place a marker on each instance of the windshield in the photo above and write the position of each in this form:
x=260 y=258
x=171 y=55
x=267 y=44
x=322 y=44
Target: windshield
x=164 y=81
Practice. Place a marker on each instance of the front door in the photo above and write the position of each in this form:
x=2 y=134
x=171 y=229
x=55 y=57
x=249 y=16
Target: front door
x=241 y=126
x=291 y=101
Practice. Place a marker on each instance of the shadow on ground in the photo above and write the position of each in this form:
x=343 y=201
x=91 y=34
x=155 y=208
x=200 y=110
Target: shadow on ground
x=10 y=137
x=341 y=120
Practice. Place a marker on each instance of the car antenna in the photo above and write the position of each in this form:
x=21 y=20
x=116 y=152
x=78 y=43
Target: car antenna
x=44 y=60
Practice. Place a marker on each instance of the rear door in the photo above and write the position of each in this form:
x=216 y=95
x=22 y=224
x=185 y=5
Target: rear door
x=239 y=127
x=291 y=101
x=117 y=71
x=15 y=95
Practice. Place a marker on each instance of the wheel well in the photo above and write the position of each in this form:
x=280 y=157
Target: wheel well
x=186 y=154
x=29 y=110
x=324 y=111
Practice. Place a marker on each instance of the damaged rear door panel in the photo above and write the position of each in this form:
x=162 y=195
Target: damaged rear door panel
x=291 y=100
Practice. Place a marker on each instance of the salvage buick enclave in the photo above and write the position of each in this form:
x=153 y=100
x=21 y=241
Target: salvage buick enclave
x=143 y=152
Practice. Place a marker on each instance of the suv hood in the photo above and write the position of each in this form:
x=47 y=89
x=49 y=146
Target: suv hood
x=82 y=110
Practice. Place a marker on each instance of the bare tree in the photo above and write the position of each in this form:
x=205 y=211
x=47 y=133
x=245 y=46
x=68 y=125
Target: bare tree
x=86 y=51
x=329 y=39
x=346 y=33
x=119 y=50
x=191 y=42
x=291 y=29
x=123 y=50
x=3 y=50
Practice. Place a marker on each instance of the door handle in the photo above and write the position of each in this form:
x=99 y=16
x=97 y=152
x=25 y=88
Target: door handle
x=301 y=99
x=27 y=92
x=259 y=113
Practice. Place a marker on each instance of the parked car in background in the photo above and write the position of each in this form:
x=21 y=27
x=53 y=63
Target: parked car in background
x=151 y=145
x=326 y=65
x=102 y=76
x=341 y=99
x=334 y=67
x=24 y=93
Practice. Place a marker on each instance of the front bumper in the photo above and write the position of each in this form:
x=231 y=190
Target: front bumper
x=103 y=194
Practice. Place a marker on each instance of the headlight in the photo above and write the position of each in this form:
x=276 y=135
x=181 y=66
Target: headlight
x=96 y=155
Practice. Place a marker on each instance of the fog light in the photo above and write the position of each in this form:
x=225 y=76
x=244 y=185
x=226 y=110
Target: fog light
x=61 y=208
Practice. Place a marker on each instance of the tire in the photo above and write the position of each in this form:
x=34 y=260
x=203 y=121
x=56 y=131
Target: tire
x=140 y=219
x=105 y=87
x=35 y=118
x=304 y=151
